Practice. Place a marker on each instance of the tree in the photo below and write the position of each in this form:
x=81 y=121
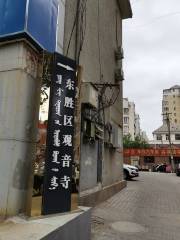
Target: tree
x=138 y=142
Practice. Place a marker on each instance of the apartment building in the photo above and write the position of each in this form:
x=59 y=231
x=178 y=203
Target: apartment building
x=171 y=111
x=171 y=104
x=137 y=125
x=131 y=120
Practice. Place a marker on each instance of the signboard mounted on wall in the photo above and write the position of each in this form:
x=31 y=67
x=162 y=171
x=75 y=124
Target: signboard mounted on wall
x=35 y=20
x=60 y=134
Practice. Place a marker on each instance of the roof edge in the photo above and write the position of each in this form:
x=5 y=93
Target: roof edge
x=164 y=129
x=125 y=8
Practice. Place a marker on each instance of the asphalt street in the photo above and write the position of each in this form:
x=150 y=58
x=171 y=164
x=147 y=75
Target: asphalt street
x=148 y=209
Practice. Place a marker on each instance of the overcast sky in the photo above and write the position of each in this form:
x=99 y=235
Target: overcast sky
x=152 y=56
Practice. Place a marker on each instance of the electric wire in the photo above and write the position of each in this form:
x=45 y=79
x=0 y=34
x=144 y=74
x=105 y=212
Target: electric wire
x=80 y=28
x=69 y=43
x=156 y=19
x=72 y=31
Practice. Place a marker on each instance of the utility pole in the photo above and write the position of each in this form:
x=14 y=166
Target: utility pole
x=169 y=138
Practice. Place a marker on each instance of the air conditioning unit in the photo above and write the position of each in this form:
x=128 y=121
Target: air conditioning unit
x=89 y=129
x=119 y=54
x=119 y=75
x=89 y=95
x=117 y=137
x=99 y=132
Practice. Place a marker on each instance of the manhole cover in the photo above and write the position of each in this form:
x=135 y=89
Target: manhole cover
x=128 y=227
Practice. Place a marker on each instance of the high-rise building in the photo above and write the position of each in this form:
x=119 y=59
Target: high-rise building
x=137 y=125
x=131 y=120
x=171 y=104
x=171 y=111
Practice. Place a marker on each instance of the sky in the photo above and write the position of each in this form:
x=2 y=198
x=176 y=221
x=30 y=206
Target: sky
x=151 y=42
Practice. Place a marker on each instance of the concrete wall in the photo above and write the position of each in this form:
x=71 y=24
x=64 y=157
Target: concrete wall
x=19 y=102
x=76 y=229
x=112 y=167
x=88 y=166
x=69 y=226
x=102 y=37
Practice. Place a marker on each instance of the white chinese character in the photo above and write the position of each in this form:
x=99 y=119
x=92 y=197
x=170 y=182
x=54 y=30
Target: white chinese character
x=57 y=122
x=59 y=79
x=67 y=140
x=65 y=182
x=66 y=160
x=54 y=183
x=55 y=157
x=58 y=108
x=68 y=121
x=69 y=102
x=69 y=84
x=55 y=169
x=59 y=92
x=56 y=138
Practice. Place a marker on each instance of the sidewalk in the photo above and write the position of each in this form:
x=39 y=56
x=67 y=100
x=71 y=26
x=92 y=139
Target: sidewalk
x=148 y=209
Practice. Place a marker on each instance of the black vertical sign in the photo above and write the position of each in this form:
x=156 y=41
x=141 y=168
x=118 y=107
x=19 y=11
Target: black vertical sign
x=59 y=147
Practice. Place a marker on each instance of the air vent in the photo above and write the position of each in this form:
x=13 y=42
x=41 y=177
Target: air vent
x=119 y=75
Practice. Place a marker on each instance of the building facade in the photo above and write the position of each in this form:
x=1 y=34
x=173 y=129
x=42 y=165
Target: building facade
x=161 y=135
x=137 y=125
x=126 y=106
x=171 y=104
x=131 y=120
x=171 y=118
x=97 y=48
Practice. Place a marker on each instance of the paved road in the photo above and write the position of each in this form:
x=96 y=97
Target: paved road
x=148 y=209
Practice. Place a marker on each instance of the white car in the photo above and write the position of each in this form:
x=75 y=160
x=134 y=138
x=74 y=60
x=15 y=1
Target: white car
x=130 y=171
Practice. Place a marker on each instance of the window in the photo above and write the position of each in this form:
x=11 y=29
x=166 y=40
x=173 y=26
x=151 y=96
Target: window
x=165 y=103
x=174 y=114
x=174 y=108
x=126 y=129
x=166 y=109
x=126 y=120
x=177 y=136
x=126 y=110
x=159 y=137
x=167 y=137
x=175 y=120
x=149 y=159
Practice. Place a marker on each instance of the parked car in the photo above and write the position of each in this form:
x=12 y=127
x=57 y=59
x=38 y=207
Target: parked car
x=178 y=170
x=154 y=167
x=130 y=171
x=161 y=168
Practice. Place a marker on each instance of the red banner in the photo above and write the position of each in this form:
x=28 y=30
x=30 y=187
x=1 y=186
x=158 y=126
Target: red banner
x=151 y=152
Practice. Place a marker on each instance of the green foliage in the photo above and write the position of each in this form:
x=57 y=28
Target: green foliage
x=138 y=142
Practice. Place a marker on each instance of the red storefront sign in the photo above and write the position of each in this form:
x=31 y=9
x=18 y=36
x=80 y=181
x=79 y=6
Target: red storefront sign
x=151 y=152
